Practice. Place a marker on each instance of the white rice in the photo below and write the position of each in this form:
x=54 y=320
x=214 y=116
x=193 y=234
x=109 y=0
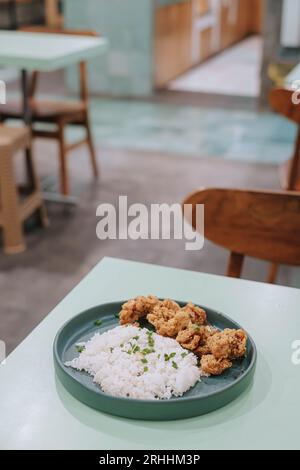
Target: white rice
x=156 y=368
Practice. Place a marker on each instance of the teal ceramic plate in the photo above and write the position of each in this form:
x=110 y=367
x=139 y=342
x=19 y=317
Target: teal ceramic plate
x=208 y=395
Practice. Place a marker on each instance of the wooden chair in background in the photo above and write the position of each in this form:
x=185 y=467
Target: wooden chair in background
x=59 y=113
x=281 y=101
x=259 y=224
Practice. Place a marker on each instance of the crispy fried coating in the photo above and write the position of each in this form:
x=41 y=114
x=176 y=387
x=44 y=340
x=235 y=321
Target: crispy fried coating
x=195 y=337
x=202 y=350
x=197 y=314
x=189 y=338
x=167 y=321
x=212 y=366
x=206 y=332
x=135 y=309
x=228 y=344
x=170 y=320
x=170 y=305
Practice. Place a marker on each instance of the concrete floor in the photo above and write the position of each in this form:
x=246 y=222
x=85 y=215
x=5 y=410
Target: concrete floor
x=32 y=283
x=184 y=124
x=235 y=71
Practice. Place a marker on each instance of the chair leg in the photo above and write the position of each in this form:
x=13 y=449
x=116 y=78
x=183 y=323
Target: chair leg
x=92 y=151
x=35 y=186
x=235 y=265
x=12 y=223
x=64 y=179
x=273 y=274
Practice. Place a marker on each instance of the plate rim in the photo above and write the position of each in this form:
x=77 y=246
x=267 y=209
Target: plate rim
x=172 y=400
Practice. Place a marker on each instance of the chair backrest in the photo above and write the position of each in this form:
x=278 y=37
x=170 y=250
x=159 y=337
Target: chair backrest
x=260 y=224
x=281 y=100
x=83 y=75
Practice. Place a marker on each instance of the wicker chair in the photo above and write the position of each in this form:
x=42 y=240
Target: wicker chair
x=14 y=209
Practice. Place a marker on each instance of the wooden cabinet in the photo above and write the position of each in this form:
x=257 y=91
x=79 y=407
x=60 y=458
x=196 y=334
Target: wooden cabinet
x=257 y=16
x=191 y=31
x=238 y=22
x=173 y=29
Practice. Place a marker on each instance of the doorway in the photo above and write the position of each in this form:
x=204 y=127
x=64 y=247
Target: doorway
x=220 y=43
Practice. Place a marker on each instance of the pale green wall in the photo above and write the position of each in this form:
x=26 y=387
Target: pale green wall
x=128 y=24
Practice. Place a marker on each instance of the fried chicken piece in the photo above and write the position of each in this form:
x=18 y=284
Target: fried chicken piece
x=170 y=305
x=197 y=314
x=239 y=344
x=208 y=331
x=228 y=344
x=194 y=338
x=202 y=350
x=167 y=321
x=189 y=338
x=205 y=332
x=212 y=366
x=137 y=308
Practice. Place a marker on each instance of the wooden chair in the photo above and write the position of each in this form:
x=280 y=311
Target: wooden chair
x=281 y=100
x=13 y=209
x=259 y=224
x=59 y=113
x=13 y=13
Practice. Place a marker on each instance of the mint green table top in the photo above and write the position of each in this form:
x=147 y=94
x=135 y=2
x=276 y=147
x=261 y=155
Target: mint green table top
x=47 y=52
x=36 y=412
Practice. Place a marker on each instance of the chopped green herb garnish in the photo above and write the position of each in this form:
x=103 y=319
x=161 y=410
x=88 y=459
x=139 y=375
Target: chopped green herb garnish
x=174 y=364
x=111 y=349
x=80 y=349
x=135 y=349
x=146 y=369
x=151 y=341
x=136 y=337
x=98 y=322
x=158 y=356
x=183 y=355
x=147 y=351
x=144 y=361
x=169 y=356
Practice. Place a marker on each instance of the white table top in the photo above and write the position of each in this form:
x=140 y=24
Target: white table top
x=47 y=52
x=37 y=412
